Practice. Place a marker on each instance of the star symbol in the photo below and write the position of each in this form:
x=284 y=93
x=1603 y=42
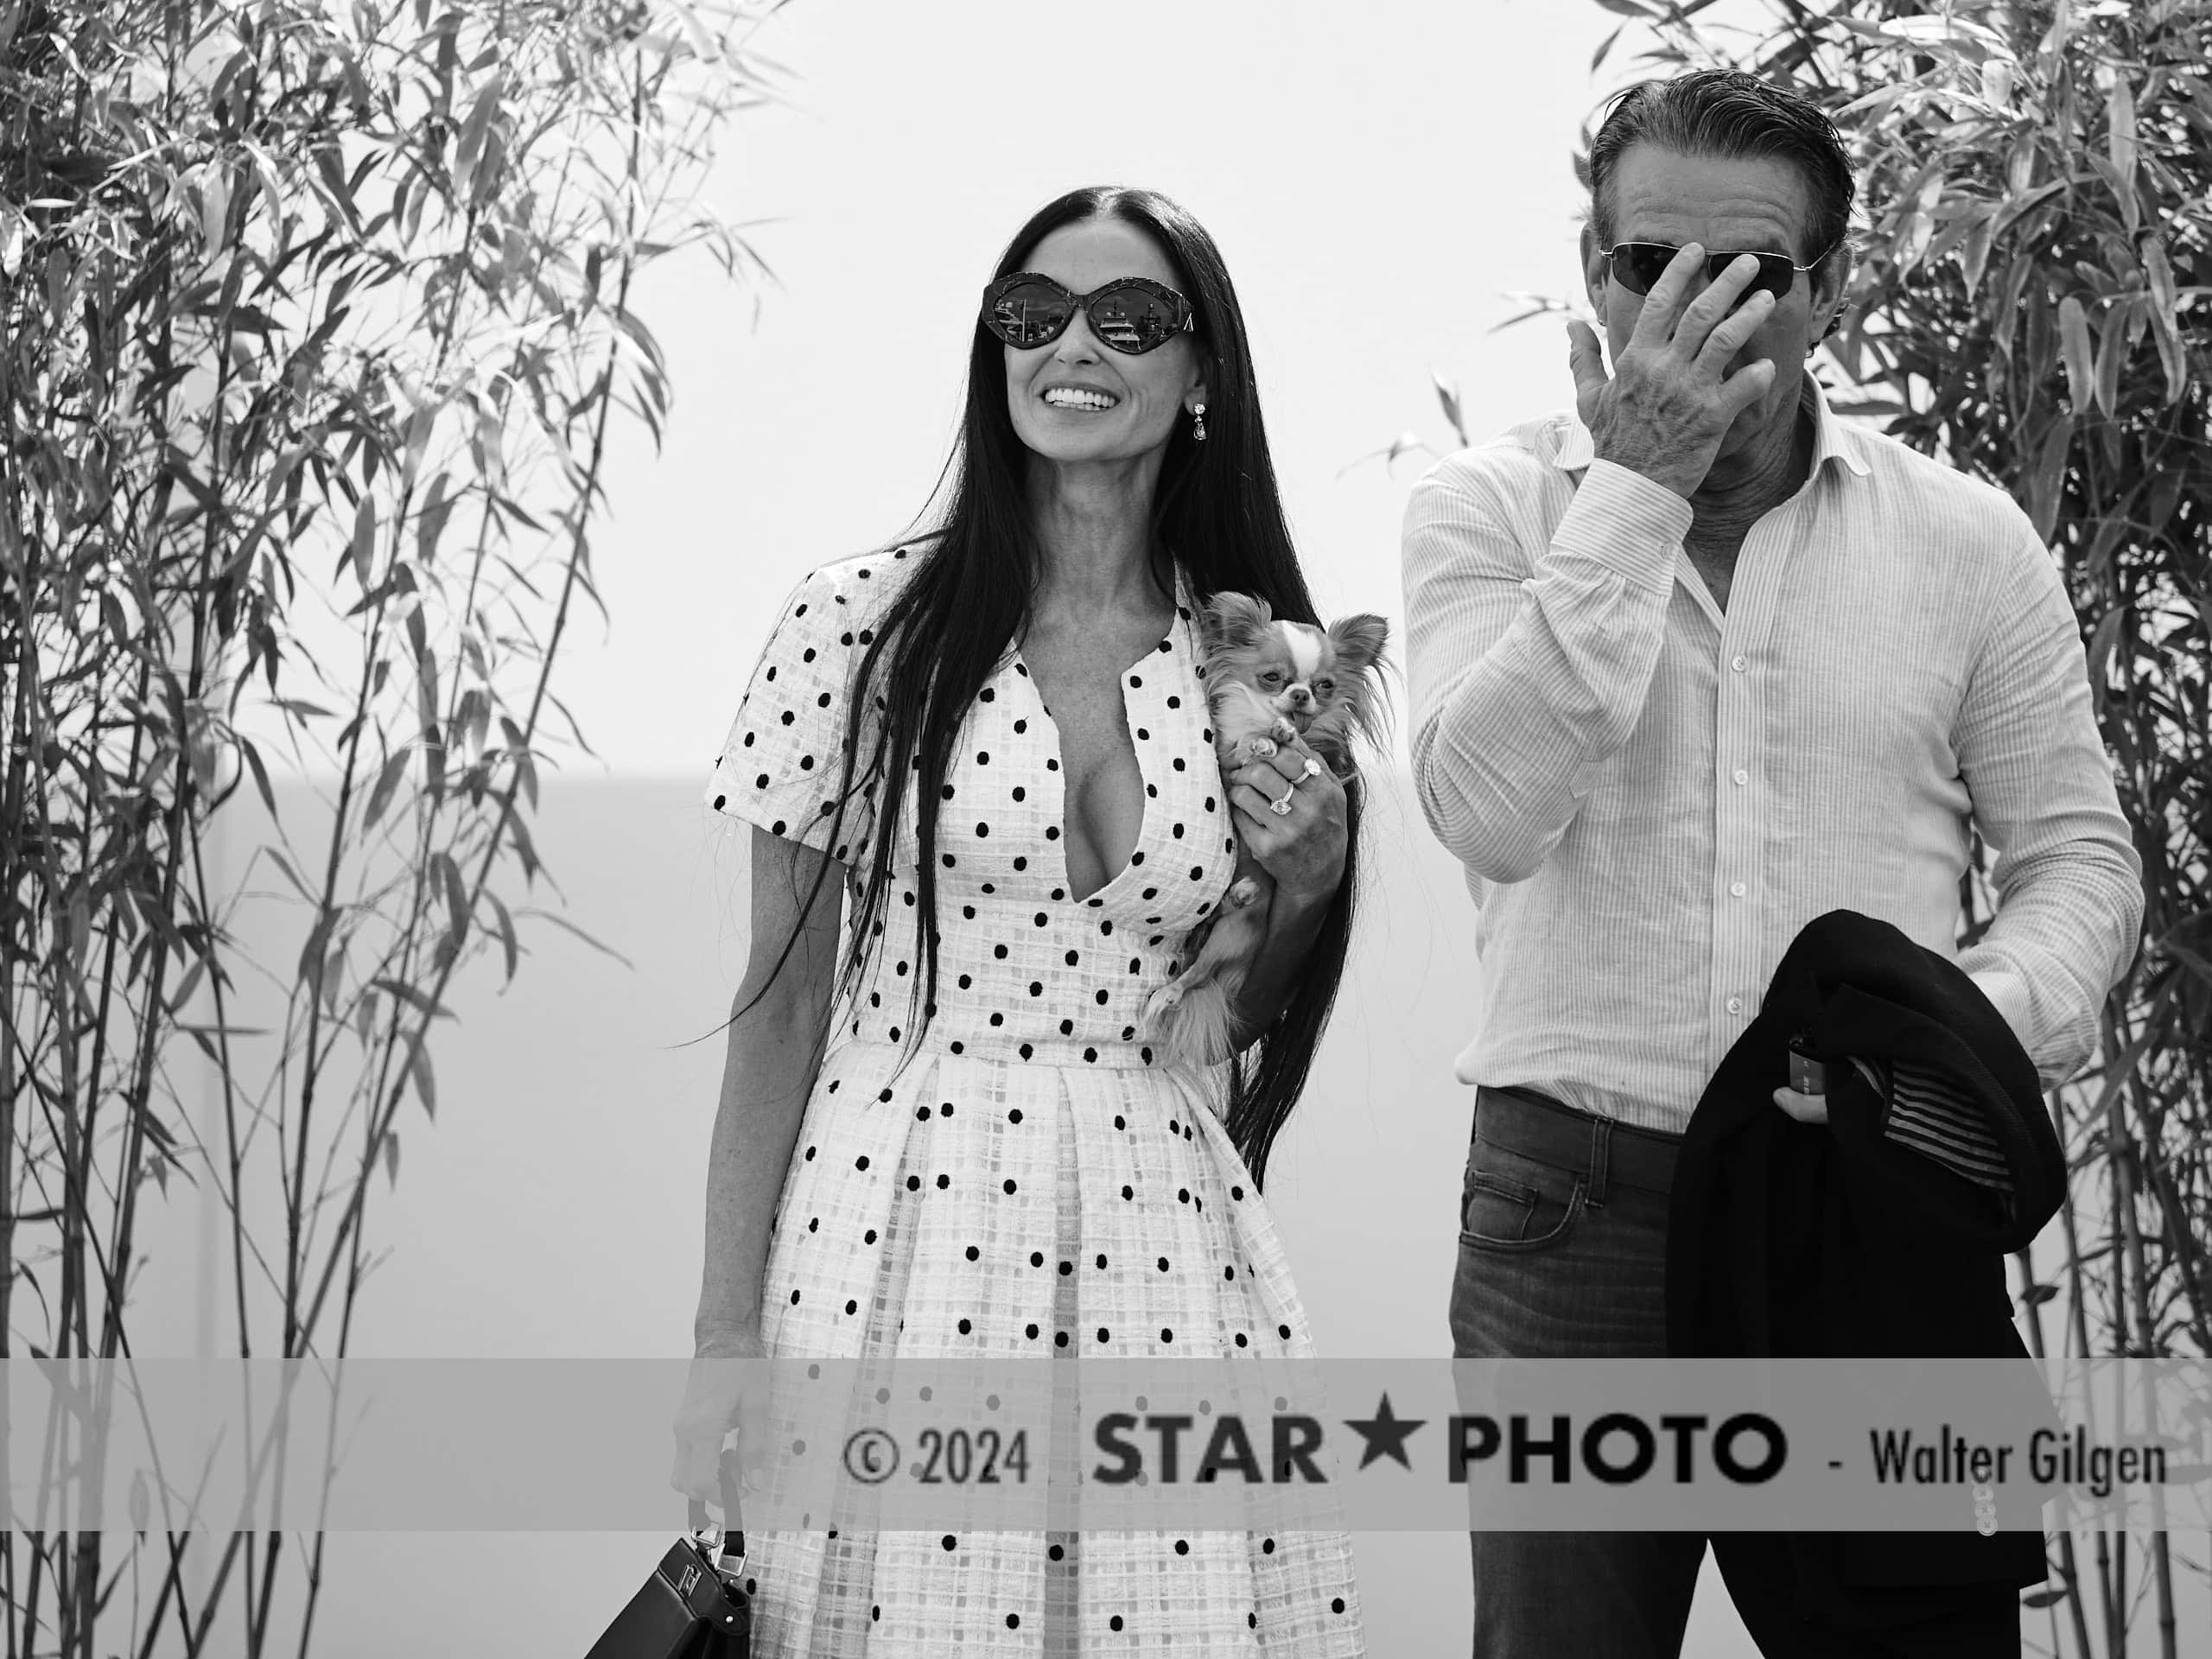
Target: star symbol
x=1385 y=1434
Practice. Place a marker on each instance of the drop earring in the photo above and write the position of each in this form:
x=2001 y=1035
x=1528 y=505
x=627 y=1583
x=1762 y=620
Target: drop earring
x=1198 y=422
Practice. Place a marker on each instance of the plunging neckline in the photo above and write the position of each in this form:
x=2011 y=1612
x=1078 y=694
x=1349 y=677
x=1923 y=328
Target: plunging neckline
x=1163 y=647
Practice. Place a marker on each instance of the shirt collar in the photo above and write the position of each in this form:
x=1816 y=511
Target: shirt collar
x=1832 y=439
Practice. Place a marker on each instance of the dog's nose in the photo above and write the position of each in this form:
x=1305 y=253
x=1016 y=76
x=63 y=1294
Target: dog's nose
x=1301 y=696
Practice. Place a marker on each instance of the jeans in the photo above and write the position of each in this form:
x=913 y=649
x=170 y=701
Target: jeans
x=1563 y=1255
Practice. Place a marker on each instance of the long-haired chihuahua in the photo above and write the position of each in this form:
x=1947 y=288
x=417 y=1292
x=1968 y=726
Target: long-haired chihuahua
x=1267 y=682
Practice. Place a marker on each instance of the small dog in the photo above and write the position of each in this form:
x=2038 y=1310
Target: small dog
x=1267 y=682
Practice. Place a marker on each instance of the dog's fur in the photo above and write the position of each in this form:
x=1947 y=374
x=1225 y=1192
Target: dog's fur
x=1267 y=682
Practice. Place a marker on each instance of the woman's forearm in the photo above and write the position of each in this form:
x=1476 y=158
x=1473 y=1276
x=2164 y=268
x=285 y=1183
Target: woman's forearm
x=766 y=1078
x=778 y=1030
x=1293 y=926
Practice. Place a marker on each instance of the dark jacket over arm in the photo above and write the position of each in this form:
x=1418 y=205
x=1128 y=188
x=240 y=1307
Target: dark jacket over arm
x=1807 y=1240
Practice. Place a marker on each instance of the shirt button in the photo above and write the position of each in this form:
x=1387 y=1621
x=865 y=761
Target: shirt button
x=1739 y=663
x=1735 y=1005
x=1736 y=887
x=1742 y=776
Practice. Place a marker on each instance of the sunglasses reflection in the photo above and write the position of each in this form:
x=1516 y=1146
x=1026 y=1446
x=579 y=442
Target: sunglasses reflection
x=1127 y=320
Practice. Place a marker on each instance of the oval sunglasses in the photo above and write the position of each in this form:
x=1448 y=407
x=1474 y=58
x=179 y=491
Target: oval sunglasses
x=1133 y=315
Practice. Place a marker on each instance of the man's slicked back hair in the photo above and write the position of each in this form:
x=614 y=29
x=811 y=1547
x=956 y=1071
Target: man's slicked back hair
x=1727 y=115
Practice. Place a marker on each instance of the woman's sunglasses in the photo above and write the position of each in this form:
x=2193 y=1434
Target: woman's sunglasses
x=1130 y=313
x=1637 y=265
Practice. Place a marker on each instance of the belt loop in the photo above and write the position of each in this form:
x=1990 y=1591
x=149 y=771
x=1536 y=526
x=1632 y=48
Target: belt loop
x=1601 y=1140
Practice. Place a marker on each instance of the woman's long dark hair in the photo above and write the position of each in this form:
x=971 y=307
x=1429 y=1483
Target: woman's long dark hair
x=1216 y=509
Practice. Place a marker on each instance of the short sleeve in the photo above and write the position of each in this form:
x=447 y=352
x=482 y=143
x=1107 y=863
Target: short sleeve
x=783 y=767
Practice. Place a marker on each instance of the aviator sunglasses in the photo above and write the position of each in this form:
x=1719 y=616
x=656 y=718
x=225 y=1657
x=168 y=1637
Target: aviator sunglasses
x=1130 y=313
x=1637 y=265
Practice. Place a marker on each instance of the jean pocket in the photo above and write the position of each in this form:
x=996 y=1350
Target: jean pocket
x=1510 y=1202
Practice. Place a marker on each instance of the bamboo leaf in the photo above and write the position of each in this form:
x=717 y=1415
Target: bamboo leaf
x=2165 y=329
x=563 y=922
x=186 y=986
x=510 y=947
x=426 y=1082
x=469 y=147
x=2112 y=353
x=2073 y=347
x=703 y=39
x=2170 y=358
x=524 y=849
x=2100 y=654
x=1447 y=394
x=2047 y=485
x=431 y=521
x=2119 y=124
x=388 y=776
x=456 y=896
x=420 y=1001
x=2160 y=274
x=313 y=953
x=419 y=427
x=391 y=1157
x=277 y=858
x=363 y=548
x=1973 y=258
x=1404 y=443
x=260 y=775
x=335 y=184
x=2053 y=46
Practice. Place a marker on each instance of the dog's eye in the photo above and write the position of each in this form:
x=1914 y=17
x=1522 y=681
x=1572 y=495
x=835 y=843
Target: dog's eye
x=1271 y=677
x=1325 y=687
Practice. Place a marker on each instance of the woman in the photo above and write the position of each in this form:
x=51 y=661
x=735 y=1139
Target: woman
x=988 y=1162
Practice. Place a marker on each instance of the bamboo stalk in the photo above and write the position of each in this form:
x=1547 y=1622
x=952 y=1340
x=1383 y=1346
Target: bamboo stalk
x=154 y=905
x=2146 y=1340
x=2068 y=1575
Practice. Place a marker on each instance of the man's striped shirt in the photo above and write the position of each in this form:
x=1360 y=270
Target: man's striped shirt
x=1652 y=796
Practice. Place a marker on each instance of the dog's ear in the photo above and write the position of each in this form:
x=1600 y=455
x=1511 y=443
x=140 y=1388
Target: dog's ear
x=1359 y=639
x=1232 y=620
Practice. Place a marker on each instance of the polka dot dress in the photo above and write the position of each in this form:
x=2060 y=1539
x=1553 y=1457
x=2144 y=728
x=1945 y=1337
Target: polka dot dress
x=1035 y=1181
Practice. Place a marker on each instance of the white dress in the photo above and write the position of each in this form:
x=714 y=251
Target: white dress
x=1034 y=1182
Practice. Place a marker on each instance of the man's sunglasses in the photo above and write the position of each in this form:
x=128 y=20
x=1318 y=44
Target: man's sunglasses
x=1130 y=313
x=1637 y=265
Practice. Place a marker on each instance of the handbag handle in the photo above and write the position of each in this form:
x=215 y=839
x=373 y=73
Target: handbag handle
x=730 y=1468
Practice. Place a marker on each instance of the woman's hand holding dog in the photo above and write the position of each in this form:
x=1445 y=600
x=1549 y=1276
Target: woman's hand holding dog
x=1302 y=850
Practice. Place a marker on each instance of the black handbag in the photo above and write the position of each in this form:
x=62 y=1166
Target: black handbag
x=693 y=1605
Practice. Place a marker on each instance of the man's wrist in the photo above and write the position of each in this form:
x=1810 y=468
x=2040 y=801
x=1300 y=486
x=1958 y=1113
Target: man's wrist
x=1632 y=458
x=1626 y=521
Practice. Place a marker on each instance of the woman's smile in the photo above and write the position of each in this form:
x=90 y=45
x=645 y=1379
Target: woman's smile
x=1064 y=395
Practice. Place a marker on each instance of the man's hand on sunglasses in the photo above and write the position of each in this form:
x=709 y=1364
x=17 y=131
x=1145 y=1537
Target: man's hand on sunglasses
x=1669 y=400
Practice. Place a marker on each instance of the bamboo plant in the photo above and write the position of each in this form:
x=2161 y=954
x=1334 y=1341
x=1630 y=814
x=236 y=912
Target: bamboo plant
x=315 y=326
x=2032 y=300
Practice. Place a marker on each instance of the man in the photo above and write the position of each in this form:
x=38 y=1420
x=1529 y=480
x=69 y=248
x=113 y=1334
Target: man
x=1690 y=668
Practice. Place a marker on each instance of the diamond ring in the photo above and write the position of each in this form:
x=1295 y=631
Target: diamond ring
x=1281 y=808
x=1312 y=768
